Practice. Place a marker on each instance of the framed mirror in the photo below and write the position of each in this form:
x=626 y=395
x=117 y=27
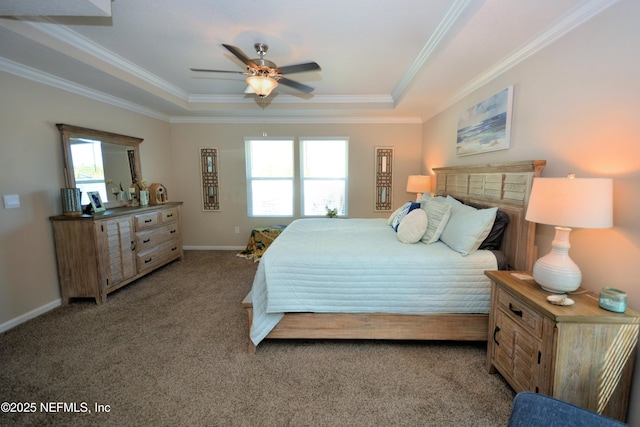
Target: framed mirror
x=100 y=161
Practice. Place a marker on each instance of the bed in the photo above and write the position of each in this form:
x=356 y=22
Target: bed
x=344 y=293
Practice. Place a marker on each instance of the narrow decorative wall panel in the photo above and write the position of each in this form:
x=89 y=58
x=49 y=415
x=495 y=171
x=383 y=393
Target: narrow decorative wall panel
x=210 y=183
x=384 y=178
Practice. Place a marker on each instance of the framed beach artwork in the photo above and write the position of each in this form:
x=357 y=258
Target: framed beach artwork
x=486 y=126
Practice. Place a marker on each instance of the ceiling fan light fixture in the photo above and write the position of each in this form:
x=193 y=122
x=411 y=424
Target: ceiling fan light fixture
x=261 y=85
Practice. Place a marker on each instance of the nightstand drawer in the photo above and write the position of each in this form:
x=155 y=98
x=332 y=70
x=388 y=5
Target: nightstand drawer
x=521 y=314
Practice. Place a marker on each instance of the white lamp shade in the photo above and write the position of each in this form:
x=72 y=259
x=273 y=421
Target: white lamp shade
x=418 y=183
x=572 y=202
x=567 y=202
x=261 y=85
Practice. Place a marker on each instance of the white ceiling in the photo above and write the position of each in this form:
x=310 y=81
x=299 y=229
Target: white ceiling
x=394 y=60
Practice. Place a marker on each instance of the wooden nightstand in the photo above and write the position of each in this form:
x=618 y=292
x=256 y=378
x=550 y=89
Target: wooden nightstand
x=581 y=353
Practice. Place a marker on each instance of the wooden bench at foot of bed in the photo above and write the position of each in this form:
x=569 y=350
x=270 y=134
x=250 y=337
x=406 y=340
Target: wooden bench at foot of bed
x=443 y=327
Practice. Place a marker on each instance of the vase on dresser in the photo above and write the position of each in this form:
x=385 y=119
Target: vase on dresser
x=144 y=197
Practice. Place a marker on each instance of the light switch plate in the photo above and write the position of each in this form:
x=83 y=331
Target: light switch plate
x=11 y=201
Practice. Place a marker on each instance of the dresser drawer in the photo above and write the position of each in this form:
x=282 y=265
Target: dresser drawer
x=146 y=220
x=146 y=240
x=521 y=314
x=159 y=255
x=169 y=215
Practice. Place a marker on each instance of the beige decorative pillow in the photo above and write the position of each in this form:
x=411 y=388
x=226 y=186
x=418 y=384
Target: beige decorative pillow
x=438 y=212
x=413 y=226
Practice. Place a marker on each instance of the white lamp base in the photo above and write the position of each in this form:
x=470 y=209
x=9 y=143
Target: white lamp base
x=556 y=272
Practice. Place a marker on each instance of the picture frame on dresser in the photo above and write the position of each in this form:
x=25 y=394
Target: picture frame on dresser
x=96 y=201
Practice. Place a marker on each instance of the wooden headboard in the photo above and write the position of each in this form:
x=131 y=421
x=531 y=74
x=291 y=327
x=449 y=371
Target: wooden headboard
x=505 y=185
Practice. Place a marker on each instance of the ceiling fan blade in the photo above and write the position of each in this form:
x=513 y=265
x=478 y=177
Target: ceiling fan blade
x=298 y=86
x=203 y=70
x=240 y=55
x=299 y=68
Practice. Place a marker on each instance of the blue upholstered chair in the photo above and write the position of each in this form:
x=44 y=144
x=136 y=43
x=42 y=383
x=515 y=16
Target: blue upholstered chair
x=532 y=410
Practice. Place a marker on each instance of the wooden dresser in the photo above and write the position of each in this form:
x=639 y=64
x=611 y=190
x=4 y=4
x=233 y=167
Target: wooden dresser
x=581 y=353
x=98 y=254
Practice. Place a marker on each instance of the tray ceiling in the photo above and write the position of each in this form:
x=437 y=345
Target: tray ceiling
x=384 y=60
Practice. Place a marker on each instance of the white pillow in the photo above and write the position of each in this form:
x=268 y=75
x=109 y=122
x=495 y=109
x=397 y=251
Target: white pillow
x=467 y=227
x=412 y=227
x=404 y=210
x=394 y=215
x=438 y=212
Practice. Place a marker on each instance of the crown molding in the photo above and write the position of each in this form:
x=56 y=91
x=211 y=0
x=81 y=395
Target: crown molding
x=70 y=43
x=38 y=76
x=297 y=120
x=566 y=23
x=450 y=18
x=47 y=32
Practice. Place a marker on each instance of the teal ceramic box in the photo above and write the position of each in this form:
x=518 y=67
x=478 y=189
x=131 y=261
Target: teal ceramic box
x=613 y=300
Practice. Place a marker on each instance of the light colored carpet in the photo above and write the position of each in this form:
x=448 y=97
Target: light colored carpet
x=171 y=349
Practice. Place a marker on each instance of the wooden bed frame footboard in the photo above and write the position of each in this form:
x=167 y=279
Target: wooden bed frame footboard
x=426 y=327
x=505 y=185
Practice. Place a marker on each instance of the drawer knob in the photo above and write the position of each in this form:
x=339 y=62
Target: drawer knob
x=146 y=221
x=146 y=261
x=515 y=311
x=169 y=216
x=146 y=240
x=495 y=332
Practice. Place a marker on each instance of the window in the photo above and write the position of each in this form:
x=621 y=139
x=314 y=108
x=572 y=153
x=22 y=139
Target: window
x=323 y=175
x=270 y=173
x=271 y=176
x=88 y=167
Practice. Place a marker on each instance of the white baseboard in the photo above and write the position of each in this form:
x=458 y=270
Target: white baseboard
x=30 y=315
x=214 y=248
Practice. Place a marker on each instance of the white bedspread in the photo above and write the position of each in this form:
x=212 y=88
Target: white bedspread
x=359 y=266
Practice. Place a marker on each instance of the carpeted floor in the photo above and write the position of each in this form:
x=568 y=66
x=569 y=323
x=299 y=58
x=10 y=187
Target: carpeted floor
x=171 y=349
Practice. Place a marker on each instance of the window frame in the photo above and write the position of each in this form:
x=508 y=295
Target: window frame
x=303 y=179
x=297 y=179
x=250 y=178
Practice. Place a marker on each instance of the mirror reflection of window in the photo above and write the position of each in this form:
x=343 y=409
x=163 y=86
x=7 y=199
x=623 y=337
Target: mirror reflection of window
x=88 y=167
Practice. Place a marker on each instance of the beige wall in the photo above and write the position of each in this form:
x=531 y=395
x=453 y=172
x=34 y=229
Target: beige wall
x=216 y=229
x=31 y=166
x=576 y=105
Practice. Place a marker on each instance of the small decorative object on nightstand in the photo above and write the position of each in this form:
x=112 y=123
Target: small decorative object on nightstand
x=578 y=353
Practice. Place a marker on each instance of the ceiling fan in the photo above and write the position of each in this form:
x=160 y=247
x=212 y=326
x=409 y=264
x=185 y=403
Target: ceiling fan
x=264 y=75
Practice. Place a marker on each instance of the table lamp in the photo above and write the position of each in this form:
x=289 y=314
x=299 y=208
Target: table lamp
x=564 y=203
x=418 y=184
